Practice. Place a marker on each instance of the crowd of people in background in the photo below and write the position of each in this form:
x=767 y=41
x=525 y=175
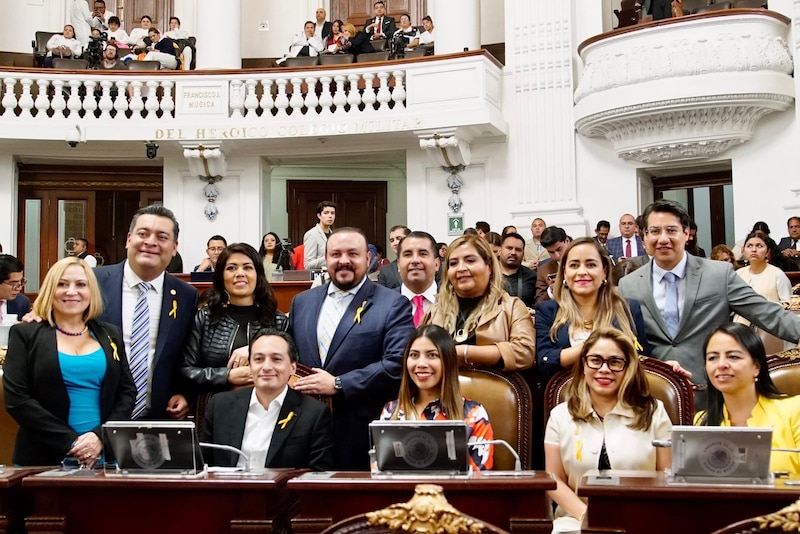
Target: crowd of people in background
x=391 y=349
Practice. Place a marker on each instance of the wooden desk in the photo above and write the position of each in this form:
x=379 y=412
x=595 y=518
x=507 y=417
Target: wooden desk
x=515 y=504
x=13 y=504
x=644 y=502
x=99 y=504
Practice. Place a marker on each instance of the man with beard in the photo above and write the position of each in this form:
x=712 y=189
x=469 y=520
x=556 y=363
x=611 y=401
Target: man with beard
x=351 y=332
x=520 y=281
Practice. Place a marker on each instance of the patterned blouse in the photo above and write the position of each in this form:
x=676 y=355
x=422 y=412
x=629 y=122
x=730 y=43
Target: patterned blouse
x=478 y=428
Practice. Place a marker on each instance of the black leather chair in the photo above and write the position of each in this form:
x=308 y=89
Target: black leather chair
x=373 y=56
x=302 y=61
x=336 y=59
x=144 y=65
x=39 y=45
x=70 y=64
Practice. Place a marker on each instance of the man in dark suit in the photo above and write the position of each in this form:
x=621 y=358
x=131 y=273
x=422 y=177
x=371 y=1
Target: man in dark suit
x=322 y=27
x=352 y=333
x=12 y=282
x=628 y=244
x=389 y=276
x=171 y=303
x=790 y=245
x=272 y=424
x=684 y=298
x=520 y=281
x=380 y=26
x=555 y=240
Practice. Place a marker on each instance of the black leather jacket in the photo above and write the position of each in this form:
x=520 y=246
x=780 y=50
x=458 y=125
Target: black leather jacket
x=209 y=346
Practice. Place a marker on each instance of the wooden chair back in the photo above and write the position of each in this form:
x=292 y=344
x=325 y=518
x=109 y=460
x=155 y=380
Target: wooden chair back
x=784 y=369
x=508 y=401
x=673 y=390
x=780 y=522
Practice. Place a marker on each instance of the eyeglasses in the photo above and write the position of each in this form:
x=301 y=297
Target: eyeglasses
x=19 y=284
x=614 y=364
x=216 y=249
x=671 y=231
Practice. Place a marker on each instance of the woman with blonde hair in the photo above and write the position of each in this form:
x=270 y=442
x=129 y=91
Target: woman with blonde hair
x=584 y=300
x=490 y=327
x=355 y=42
x=608 y=421
x=429 y=390
x=67 y=375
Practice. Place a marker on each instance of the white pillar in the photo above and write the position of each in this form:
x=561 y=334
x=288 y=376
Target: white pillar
x=457 y=25
x=219 y=28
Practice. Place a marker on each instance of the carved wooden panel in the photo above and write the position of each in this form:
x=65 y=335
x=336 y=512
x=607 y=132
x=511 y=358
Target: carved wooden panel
x=130 y=11
x=357 y=11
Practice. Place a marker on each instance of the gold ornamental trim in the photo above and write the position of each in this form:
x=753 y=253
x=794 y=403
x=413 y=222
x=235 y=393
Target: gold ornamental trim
x=98 y=184
x=789 y=354
x=784 y=520
x=428 y=511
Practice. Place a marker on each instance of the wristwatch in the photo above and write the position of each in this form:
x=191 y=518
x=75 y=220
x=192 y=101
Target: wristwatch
x=337 y=383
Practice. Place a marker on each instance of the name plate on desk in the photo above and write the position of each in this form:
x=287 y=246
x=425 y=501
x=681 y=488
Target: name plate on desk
x=602 y=480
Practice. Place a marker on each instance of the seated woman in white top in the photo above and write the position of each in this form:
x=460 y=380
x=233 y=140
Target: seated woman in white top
x=63 y=45
x=137 y=36
x=608 y=421
x=117 y=34
x=765 y=279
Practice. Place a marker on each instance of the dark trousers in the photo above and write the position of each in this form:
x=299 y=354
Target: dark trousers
x=661 y=9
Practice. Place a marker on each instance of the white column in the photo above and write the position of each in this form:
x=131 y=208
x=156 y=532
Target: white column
x=457 y=25
x=539 y=95
x=8 y=204
x=219 y=28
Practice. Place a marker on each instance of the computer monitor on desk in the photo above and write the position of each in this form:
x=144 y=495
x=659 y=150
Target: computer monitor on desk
x=153 y=449
x=419 y=448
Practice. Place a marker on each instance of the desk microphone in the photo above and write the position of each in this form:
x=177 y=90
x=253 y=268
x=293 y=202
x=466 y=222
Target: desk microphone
x=229 y=449
x=504 y=443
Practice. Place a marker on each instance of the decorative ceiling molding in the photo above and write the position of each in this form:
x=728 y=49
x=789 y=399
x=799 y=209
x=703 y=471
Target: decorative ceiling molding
x=687 y=90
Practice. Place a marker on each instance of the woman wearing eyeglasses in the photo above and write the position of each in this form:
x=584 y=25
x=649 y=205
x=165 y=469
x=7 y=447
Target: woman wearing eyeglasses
x=67 y=375
x=608 y=422
x=584 y=300
x=239 y=303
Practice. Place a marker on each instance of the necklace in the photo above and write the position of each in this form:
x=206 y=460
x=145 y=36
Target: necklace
x=462 y=333
x=588 y=325
x=73 y=334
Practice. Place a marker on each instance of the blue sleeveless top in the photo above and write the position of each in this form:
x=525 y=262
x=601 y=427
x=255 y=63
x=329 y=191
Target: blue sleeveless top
x=83 y=377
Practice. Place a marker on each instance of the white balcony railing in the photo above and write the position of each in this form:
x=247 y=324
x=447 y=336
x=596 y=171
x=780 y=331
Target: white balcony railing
x=685 y=89
x=260 y=103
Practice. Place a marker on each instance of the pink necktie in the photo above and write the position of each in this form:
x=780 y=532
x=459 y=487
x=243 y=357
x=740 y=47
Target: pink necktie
x=419 y=310
x=628 y=249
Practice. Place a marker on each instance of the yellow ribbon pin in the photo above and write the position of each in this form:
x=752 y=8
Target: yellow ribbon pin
x=638 y=345
x=579 y=450
x=285 y=421
x=174 y=311
x=114 y=347
x=359 y=311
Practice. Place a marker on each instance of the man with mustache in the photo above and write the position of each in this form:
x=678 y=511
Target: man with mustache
x=351 y=332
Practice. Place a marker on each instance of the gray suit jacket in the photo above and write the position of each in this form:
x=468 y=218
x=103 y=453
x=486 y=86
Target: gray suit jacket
x=713 y=291
x=314 y=248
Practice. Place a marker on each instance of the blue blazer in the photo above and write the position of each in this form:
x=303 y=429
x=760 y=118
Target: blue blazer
x=548 y=353
x=617 y=250
x=20 y=305
x=172 y=331
x=367 y=356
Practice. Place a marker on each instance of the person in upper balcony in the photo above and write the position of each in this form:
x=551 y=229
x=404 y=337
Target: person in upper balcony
x=660 y=9
x=110 y=61
x=137 y=36
x=380 y=26
x=101 y=16
x=116 y=34
x=63 y=45
x=175 y=32
x=164 y=50
x=408 y=33
x=304 y=44
x=81 y=19
x=426 y=37
x=335 y=40
x=322 y=27
x=355 y=43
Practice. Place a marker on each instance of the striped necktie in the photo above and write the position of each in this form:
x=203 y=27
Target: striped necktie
x=140 y=348
x=329 y=322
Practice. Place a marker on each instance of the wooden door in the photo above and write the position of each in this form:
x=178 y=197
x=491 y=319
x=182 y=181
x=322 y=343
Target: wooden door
x=131 y=11
x=359 y=204
x=357 y=11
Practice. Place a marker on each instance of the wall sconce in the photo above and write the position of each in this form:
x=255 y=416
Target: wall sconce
x=209 y=164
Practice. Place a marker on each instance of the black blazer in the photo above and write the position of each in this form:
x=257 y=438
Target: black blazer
x=37 y=399
x=20 y=305
x=305 y=441
x=389 y=26
x=172 y=331
x=389 y=276
x=358 y=44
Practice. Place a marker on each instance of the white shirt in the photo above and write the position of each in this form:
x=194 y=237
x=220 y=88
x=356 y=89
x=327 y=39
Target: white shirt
x=177 y=34
x=635 y=251
x=58 y=40
x=90 y=260
x=429 y=296
x=426 y=37
x=120 y=35
x=130 y=294
x=99 y=24
x=660 y=287
x=137 y=34
x=258 y=429
x=580 y=442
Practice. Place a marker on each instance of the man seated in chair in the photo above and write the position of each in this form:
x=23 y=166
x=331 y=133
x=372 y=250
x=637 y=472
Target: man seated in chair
x=274 y=425
x=162 y=50
x=304 y=44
